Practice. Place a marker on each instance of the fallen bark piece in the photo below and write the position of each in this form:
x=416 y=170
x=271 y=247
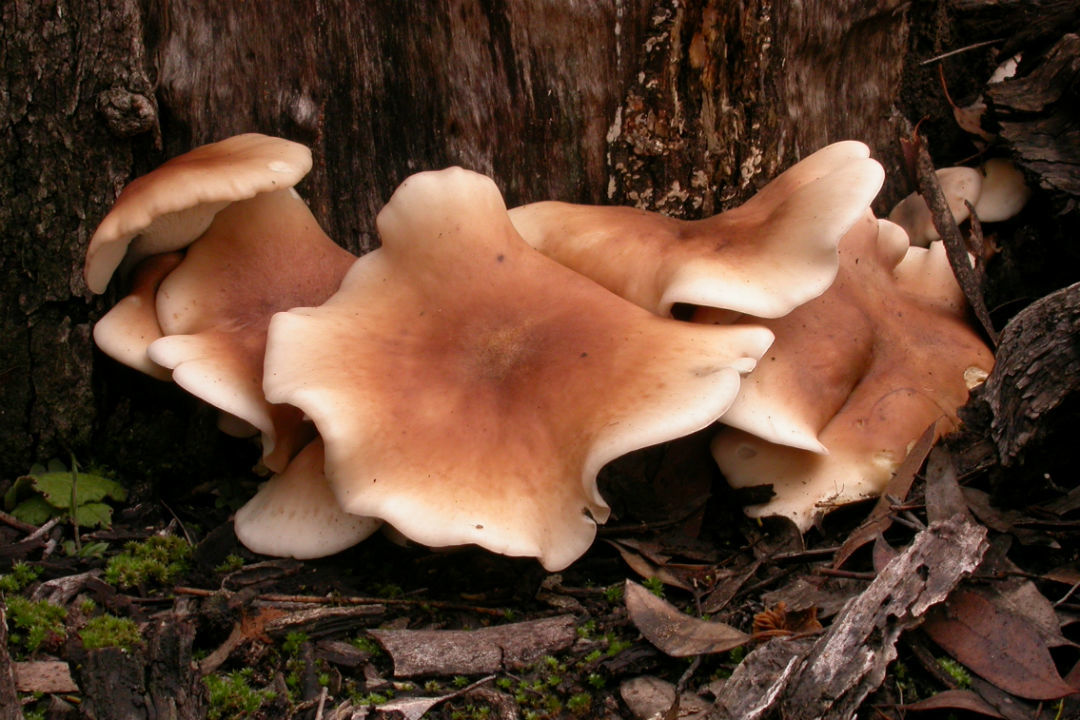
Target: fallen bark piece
x=674 y=632
x=1036 y=373
x=474 y=652
x=829 y=678
x=44 y=676
x=322 y=621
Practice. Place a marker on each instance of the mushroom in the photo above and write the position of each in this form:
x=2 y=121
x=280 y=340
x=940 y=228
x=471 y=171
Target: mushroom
x=863 y=370
x=168 y=208
x=126 y=331
x=1004 y=191
x=961 y=186
x=763 y=258
x=294 y=514
x=468 y=389
x=259 y=256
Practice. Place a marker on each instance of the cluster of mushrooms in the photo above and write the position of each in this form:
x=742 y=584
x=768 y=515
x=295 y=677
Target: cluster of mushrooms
x=466 y=382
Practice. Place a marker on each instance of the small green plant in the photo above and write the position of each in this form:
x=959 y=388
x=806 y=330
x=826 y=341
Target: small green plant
x=579 y=704
x=231 y=695
x=231 y=563
x=956 y=671
x=110 y=631
x=34 y=624
x=156 y=559
x=293 y=642
x=44 y=493
x=21 y=576
x=596 y=680
x=368 y=645
x=654 y=585
x=586 y=630
x=613 y=594
x=459 y=681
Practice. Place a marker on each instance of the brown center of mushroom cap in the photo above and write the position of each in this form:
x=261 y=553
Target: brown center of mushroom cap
x=469 y=389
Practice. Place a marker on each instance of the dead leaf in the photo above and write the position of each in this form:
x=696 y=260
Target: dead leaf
x=956 y=700
x=997 y=645
x=44 y=676
x=674 y=632
x=649 y=697
x=646 y=567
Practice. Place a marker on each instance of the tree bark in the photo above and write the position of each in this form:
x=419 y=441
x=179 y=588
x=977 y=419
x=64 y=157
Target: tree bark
x=673 y=105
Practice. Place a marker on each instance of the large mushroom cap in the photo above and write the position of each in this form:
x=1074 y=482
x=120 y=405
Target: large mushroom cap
x=259 y=256
x=295 y=514
x=863 y=370
x=168 y=208
x=468 y=389
x=763 y=258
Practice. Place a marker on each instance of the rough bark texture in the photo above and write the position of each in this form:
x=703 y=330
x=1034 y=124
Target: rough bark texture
x=680 y=106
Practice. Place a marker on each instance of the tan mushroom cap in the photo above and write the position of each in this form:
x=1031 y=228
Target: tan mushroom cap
x=126 y=331
x=1004 y=191
x=468 y=389
x=865 y=368
x=295 y=514
x=960 y=185
x=259 y=256
x=763 y=258
x=168 y=208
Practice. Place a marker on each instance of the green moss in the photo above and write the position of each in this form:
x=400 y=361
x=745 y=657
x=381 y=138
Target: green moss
x=956 y=671
x=231 y=563
x=21 y=576
x=33 y=624
x=654 y=585
x=614 y=594
x=293 y=642
x=110 y=631
x=157 y=559
x=368 y=645
x=579 y=704
x=231 y=695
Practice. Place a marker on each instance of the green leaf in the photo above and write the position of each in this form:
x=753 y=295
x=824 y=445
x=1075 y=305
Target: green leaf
x=93 y=515
x=34 y=510
x=17 y=490
x=56 y=487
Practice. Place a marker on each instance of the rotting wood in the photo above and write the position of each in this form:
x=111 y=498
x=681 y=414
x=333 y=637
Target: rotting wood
x=474 y=652
x=830 y=677
x=1037 y=370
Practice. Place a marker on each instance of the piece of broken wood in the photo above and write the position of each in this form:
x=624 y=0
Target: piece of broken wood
x=829 y=677
x=475 y=652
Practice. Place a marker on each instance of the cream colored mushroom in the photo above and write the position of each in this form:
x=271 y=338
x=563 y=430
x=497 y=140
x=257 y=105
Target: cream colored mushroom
x=961 y=185
x=468 y=389
x=258 y=257
x=168 y=208
x=127 y=330
x=863 y=370
x=295 y=514
x=763 y=258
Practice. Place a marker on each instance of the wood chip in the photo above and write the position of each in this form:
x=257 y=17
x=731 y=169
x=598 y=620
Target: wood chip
x=44 y=676
x=475 y=652
x=829 y=678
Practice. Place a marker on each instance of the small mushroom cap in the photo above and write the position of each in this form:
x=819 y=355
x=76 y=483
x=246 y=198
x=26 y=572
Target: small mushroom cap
x=168 y=208
x=764 y=258
x=259 y=256
x=959 y=184
x=863 y=370
x=1004 y=191
x=295 y=514
x=475 y=387
x=126 y=332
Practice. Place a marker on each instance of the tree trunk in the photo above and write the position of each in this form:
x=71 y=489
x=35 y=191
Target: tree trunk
x=681 y=106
